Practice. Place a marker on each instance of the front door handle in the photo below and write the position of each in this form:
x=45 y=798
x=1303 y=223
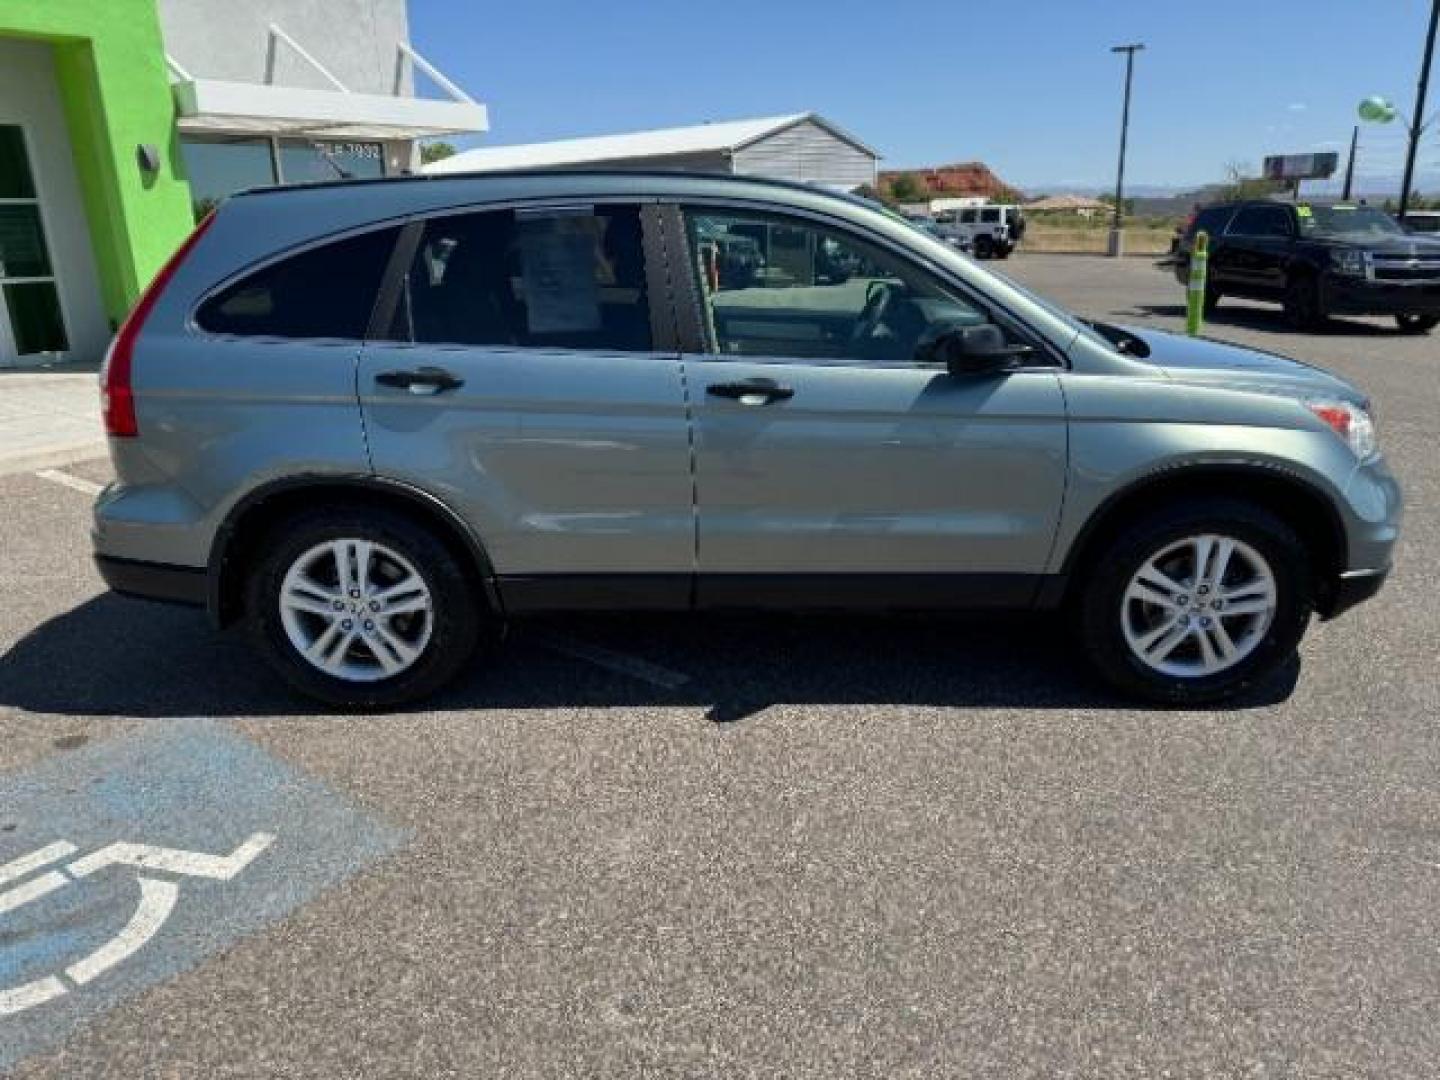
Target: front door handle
x=751 y=391
x=425 y=380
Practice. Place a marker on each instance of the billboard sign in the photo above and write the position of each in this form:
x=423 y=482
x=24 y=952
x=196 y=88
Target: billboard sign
x=1301 y=166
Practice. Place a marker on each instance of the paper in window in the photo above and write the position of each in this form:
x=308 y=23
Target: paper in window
x=557 y=258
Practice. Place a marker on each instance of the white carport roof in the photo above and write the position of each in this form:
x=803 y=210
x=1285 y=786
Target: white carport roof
x=724 y=137
x=338 y=112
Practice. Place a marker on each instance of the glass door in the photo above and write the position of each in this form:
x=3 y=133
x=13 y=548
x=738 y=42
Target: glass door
x=30 y=317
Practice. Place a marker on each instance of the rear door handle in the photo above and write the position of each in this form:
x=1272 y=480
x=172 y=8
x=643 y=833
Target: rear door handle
x=751 y=391
x=425 y=380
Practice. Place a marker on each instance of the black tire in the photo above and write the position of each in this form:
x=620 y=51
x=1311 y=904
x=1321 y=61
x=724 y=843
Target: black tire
x=1213 y=297
x=1100 y=603
x=458 y=613
x=1303 y=309
x=1417 y=324
x=984 y=247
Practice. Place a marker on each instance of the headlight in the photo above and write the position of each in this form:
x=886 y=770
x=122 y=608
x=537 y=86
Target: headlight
x=1348 y=261
x=1350 y=422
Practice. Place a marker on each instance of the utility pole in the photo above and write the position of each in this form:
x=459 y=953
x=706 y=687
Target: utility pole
x=1117 y=234
x=1417 y=124
x=1350 y=167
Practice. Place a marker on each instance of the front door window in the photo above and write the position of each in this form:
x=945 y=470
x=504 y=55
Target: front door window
x=30 y=318
x=781 y=287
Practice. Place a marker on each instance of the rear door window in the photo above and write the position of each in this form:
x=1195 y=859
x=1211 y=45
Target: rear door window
x=324 y=292
x=554 y=278
x=1266 y=221
x=990 y=217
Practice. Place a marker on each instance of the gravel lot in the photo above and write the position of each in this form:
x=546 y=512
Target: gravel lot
x=793 y=848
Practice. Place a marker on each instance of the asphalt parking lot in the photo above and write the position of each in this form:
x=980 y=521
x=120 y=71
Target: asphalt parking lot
x=742 y=847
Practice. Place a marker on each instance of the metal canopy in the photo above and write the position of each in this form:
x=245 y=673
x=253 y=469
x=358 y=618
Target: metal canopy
x=338 y=113
x=216 y=105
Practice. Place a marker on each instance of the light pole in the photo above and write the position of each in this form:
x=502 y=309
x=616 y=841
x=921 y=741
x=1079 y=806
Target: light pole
x=1379 y=111
x=1416 y=126
x=1350 y=165
x=1117 y=235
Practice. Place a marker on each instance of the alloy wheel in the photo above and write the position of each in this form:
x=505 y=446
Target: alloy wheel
x=356 y=610
x=1198 y=606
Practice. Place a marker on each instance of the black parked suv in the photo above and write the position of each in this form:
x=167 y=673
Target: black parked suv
x=1318 y=261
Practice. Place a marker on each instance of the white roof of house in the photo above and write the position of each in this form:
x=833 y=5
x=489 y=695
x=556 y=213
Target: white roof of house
x=729 y=135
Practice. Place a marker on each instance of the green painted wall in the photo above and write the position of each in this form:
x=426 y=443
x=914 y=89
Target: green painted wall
x=110 y=64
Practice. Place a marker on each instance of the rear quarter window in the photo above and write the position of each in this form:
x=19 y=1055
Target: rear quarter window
x=324 y=292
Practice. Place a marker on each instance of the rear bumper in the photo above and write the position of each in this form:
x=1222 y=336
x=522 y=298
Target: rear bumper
x=154 y=581
x=1351 y=588
x=1360 y=296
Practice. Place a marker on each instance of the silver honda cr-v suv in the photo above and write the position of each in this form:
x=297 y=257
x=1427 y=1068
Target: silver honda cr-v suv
x=369 y=421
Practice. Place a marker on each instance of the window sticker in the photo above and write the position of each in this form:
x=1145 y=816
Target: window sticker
x=558 y=261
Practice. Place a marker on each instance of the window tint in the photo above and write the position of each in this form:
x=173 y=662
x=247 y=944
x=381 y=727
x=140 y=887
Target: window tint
x=780 y=287
x=1261 y=221
x=326 y=292
x=560 y=279
x=990 y=216
x=967 y=217
x=1212 y=220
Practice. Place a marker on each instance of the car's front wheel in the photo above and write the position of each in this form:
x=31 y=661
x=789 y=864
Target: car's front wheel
x=1417 y=324
x=362 y=609
x=1194 y=604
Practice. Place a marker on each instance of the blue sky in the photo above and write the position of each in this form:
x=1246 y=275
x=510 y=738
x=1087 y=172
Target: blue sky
x=1029 y=87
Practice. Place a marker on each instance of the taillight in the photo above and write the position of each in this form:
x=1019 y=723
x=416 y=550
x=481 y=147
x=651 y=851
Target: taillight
x=117 y=399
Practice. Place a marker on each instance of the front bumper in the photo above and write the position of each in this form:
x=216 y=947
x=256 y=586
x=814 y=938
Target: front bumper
x=1351 y=588
x=1346 y=295
x=155 y=581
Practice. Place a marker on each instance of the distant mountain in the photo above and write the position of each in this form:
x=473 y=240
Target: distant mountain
x=1366 y=185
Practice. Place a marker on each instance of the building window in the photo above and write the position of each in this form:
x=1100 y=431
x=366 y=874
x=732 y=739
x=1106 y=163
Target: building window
x=30 y=316
x=308 y=161
x=220 y=165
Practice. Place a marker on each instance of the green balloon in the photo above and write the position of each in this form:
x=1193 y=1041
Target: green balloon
x=1377 y=110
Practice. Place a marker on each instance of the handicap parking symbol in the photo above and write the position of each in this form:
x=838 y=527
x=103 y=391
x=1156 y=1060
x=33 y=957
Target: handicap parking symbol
x=132 y=860
x=157 y=899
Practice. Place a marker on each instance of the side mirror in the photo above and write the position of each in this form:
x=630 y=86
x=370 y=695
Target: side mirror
x=970 y=350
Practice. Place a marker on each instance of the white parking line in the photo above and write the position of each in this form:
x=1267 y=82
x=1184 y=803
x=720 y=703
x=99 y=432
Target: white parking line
x=174 y=860
x=77 y=483
x=18 y=868
x=157 y=901
x=32 y=890
x=632 y=666
x=28 y=995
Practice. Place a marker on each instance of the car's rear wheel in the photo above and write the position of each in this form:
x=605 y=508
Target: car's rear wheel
x=984 y=247
x=1417 y=324
x=1303 y=308
x=362 y=609
x=1194 y=604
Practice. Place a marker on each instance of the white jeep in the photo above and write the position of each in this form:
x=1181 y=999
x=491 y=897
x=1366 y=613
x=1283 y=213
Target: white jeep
x=992 y=231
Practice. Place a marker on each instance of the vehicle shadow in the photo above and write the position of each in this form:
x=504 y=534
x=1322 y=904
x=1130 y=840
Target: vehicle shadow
x=1267 y=319
x=116 y=657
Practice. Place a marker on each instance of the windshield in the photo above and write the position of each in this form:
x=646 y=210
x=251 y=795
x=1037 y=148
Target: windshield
x=1352 y=222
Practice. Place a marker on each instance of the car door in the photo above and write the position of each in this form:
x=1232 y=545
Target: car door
x=833 y=467
x=516 y=372
x=1257 y=249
